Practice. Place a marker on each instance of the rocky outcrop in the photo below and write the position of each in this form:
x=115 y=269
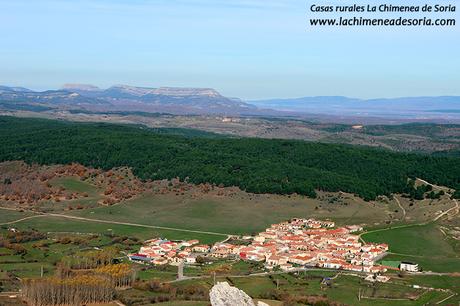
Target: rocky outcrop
x=185 y=92
x=223 y=294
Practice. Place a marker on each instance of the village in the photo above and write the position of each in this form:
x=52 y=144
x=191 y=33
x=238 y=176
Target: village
x=286 y=246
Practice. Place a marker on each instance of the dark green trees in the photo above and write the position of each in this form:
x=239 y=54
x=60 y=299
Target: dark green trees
x=255 y=165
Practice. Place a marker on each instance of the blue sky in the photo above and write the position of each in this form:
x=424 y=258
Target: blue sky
x=243 y=48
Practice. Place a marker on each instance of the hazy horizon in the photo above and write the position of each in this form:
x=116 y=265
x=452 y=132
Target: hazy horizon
x=248 y=100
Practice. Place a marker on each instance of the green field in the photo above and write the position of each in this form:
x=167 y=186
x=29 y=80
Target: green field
x=73 y=184
x=61 y=225
x=424 y=244
x=46 y=258
x=436 y=264
x=169 y=273
x=241 y=214
x=11 y=215
x=343 y=289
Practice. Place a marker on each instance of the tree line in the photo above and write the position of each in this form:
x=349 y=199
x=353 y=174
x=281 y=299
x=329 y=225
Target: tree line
x=254 y=165
x=97 y=286
x=90 y=259
x=78 y=290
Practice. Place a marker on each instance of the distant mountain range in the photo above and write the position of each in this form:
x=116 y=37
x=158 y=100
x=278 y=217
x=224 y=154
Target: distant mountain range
x=208 y=101
x=132 y=92
x=123 y=97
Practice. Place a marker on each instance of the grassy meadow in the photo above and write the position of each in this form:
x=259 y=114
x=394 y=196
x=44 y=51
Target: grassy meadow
x=342 y=288
x=11 y=215
x=424 y=244
x=61 y=225
x=240 y=214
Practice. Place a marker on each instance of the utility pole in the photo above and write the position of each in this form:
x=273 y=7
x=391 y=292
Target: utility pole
x=41 y=271
x=214 y=277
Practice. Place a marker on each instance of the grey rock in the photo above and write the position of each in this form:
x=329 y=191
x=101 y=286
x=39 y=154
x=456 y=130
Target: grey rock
x=223 y=294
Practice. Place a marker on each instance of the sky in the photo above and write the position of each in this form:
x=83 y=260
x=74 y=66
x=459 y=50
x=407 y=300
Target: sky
x=251 y=49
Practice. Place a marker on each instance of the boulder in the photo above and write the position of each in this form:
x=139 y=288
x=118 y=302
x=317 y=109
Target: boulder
x=223 y=294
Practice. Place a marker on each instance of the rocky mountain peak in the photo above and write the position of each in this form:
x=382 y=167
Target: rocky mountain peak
x=132 y=90
x=186 y=91
x=80 y=87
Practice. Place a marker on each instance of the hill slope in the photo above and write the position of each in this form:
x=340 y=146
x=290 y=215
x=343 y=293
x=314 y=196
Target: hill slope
x=255 y=165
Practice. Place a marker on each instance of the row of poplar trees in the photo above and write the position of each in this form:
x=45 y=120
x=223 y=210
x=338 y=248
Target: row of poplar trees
x=98 y=286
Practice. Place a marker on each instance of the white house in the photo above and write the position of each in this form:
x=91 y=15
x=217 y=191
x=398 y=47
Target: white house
x=201 y=248
x=191 y=259
x=408 y=266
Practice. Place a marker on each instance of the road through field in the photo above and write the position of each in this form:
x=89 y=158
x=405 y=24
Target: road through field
x=22 y=219
x=456 y=208
x=113 y=222
x=402 y=208
x=432 y=185
x=136 y=225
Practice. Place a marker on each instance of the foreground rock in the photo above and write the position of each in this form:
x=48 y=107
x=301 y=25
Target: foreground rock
x=223 y=294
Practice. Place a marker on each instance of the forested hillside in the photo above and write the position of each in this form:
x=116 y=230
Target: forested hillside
x=255 y=165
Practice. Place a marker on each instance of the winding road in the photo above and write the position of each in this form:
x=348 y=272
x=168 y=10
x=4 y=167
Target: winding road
x=402 y=208
x=456 y=207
